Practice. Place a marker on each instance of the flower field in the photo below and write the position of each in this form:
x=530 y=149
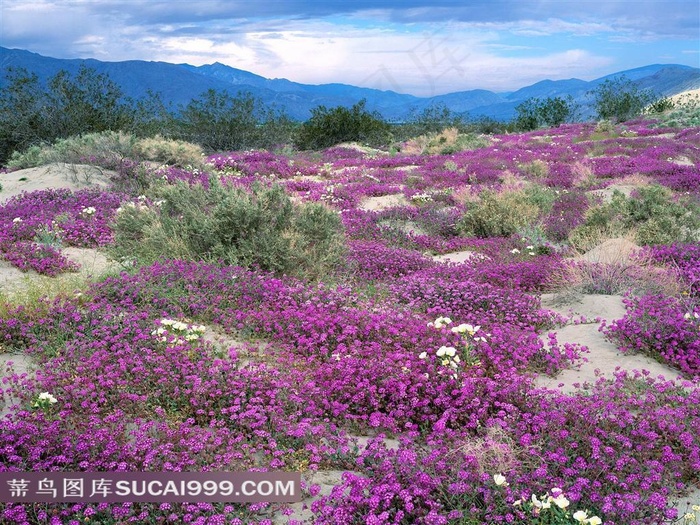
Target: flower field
x=372 y=355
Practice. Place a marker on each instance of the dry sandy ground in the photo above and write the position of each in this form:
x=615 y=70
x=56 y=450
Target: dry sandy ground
x=57 y=175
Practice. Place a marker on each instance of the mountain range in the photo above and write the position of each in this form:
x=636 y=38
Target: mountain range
x=178 y=84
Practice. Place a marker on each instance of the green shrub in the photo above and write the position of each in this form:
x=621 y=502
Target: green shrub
x=107 y=149
x=653 y=214
x=169 y=151
x=257 y=228
x=620 y=99
x=551 y=112
x=498 y=215
x=33 y=114
x=328 y=127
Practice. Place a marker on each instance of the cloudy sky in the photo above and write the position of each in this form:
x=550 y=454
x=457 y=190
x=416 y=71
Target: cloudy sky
x=410 y=46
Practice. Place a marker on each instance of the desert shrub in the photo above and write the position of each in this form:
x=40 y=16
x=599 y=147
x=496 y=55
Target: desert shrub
x=551 y=112
x=108 y=149
x=169 y=151
x=32 y=114
x=219 y=121
x=498 y=215
x=431 y=120
x=620 y=99
x=652 y=213
x=257 y=228
x=684 y=114
x=444 y=142
x=328 y=127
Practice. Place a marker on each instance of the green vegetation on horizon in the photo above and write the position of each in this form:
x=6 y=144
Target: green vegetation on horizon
x=32 y=115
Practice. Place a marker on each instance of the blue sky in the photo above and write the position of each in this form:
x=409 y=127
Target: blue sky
x=410 y=46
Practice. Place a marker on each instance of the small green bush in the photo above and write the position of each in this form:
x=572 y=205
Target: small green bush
x=653 y=214
x=498 y=215
x=257 y=228
x=169 y=151
x=107 y=149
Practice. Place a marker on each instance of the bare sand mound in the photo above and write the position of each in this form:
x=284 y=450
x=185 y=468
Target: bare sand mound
x=56 y=175
x=612 y=251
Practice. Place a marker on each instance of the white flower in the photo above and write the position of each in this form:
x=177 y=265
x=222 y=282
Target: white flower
x=456 y=359
x=423 y=355
x=580 y=516
x=450 y=351
x=530 y=247
x=466 y=328
x=536 y=502
x=90 y=210
x=167 y=322
x=594 y=520
x=440 y=322
x=17 y=220
x=45 y=396
x=515 y=251
x=561 y=501
x=441 y=351
x=499 y=479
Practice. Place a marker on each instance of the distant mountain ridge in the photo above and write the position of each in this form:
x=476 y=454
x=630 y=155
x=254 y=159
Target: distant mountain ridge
x=178 y=84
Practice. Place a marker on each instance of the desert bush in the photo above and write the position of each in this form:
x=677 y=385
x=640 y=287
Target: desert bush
x=219 y=121
x=551 y=112
x=498 y=215
x=31 y=114
x=685 y=113
x=108 y=149
x=328 y=127
x=444 y=142
x=620 y=99
x=452 y=141
x=652 y=213
x=431 y=120
x=169 y=151
x=257 y=228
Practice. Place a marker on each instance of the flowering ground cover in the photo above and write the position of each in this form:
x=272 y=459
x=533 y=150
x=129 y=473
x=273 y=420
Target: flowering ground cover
x=392 y=344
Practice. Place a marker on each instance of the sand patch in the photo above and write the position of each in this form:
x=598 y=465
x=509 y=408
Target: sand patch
x=21 y=364
x=604 y=359
x=383 y=202
x=92 y=262
x=56 y=175
x=455 y=257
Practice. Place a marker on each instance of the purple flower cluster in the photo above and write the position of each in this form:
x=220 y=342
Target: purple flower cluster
x=32 y=225
x=663 y=327
x=309 y=367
